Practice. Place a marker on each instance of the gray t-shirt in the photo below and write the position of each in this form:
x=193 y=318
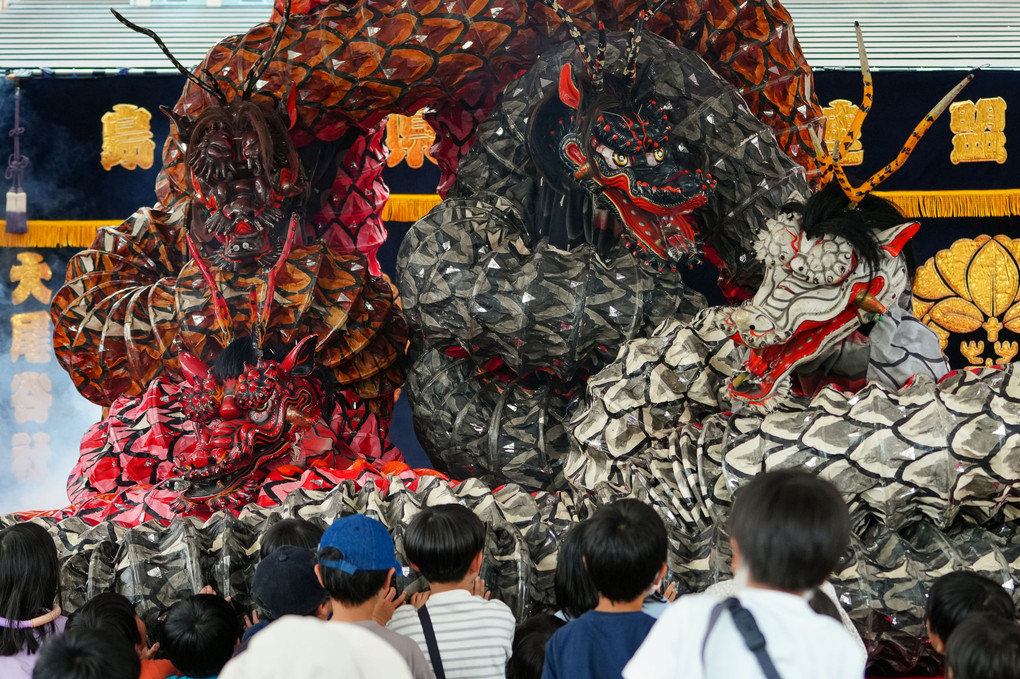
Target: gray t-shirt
x=406 y=647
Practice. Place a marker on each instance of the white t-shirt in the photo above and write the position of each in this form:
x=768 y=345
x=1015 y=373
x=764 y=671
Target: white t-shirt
x=474 y=635
x=801 y=643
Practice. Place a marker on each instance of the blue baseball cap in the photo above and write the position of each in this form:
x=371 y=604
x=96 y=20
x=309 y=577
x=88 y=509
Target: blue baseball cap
x=364 y=543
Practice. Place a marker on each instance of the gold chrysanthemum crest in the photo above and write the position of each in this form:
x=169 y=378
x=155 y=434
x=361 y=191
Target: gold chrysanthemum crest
x=973 y=287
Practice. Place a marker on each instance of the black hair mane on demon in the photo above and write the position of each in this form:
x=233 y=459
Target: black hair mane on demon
x=240 y=352
x=830 y=213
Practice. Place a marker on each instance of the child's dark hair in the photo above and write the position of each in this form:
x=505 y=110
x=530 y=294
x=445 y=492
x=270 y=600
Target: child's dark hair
x=350 y=589
x=624 y=549
x=108 y=612
x=442 y=541
x=199 y=635
x=575 y=592
x=87 y=654
x=29 y=584
x=297 y=532
x=954 y=596
x=791 y=527
x=984 y=646
x=528 y=655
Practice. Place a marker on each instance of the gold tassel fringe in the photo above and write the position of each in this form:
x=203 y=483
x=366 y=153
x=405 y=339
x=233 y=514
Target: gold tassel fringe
x=53 y=234
x=995 y=203
x=410 y=207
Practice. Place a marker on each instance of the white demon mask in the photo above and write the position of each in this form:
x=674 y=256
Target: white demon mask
x=816 y=292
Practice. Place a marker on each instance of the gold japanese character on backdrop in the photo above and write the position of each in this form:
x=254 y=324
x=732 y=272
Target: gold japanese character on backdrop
x=30 y=455
x=409 y=137
x=840 y=115
x=127 y=138
x=30 y=337
x=979 y=131
x=29 y=275
x=31 y=397
x=973 y=288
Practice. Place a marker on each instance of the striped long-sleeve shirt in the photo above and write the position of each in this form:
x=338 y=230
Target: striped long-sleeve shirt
x=474 y=635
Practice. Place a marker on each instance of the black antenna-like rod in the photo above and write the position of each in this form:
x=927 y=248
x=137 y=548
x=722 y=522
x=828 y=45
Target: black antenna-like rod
x=658 y=8
x=575 y=34
x=633 y=47
x=180 y=67
x=267 y=56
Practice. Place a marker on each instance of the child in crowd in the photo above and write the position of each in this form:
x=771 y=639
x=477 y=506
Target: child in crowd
x=788 y=530
x=625 y=555
x=296 y=532
x=29 y=585
x=470 y=637
x=110 y=613
x=575 y=593
x=285 y=584
x=955 y=596
x=356 y=566
x=984 y=646
x=528 y=655
x=305 y=648
x=87 y=654
x=199 y=635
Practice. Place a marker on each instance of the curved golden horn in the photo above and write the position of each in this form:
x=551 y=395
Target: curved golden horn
x=830 y=166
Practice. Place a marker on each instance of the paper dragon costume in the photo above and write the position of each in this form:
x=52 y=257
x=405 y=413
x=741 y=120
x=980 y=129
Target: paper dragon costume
x=154 y=302
x=589 y=186
x=246 y=349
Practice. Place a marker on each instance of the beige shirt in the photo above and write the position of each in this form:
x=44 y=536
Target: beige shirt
x=420 y=667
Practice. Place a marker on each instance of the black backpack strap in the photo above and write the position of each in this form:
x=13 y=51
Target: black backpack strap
x=748 y=628
x=433 y=645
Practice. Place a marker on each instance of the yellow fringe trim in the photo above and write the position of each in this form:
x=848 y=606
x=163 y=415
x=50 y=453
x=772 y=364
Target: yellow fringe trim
x=995 y=203
x=54 y=234
x=410 y=207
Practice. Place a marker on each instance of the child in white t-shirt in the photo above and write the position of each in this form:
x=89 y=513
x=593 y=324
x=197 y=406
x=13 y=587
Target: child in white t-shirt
x=788 y=530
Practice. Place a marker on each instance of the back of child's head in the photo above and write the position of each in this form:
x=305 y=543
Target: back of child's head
x=285 y=584
x=109 y=613
x=624 y=549
x=442 y=541
x=984 y=646
x=87 y=654
x=528 y=651
x=954 y=596
x=199 y=635
x=297 y=532
x=29 y=583
x=355 y=556
x=575 y=592
x=791 y=528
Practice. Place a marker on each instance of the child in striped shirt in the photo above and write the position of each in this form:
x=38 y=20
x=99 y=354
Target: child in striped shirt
x=465 y=635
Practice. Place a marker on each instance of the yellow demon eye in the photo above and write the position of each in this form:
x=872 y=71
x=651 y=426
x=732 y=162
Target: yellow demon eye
x=659 y=154
x=621 y=160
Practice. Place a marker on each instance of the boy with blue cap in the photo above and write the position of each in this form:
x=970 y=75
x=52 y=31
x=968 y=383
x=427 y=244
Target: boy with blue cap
x=356 y=563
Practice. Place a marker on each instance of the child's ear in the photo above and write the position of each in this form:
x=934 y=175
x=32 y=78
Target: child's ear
x=476 y=563
x=389 y=579
x=318 y=574
x=735 y=561
x=937 y=644
x=661 y=575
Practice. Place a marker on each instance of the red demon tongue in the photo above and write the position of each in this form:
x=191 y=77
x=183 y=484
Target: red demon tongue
x=244 y=229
